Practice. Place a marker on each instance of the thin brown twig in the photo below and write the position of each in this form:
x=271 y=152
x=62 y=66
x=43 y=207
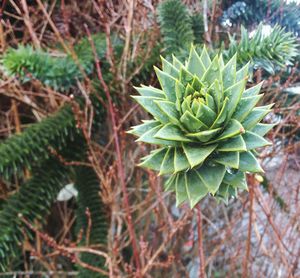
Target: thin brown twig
x=248 y=242
x=119 y=157
x=128 y=29
x=200 y=242
x=89 y=226
x=2 y=35
x=205 y=21
x=69 y=252
x=179 y=223
x=28 y=23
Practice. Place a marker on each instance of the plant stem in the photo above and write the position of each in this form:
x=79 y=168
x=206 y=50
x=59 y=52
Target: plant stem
x=119 y=158
x=248 y=246
x=205 y=21
x=200 y=243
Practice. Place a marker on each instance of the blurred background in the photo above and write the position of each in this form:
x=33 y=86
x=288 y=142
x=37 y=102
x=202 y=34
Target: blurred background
x=73 y=203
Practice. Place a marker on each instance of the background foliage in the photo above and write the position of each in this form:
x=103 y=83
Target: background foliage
x=73 y=201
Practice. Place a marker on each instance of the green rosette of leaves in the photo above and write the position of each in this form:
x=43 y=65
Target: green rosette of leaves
x=206 y=126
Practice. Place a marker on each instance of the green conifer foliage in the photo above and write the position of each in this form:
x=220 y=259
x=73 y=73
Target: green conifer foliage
x=175 y=25
x=33 y=202
x=34 y=144
x=88 y=186
x=32 y=150
x=277 y=49
x=59 y=71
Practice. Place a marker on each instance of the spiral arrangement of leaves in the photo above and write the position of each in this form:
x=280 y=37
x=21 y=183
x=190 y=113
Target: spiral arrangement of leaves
x=206 y=124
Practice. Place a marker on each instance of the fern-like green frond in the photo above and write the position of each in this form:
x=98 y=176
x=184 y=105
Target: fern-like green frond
x=32 y=202
x=198 y=28
x=87 y=184
x=175 y=25
x=279 y=48
x=32 y=145
x=56 y=71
